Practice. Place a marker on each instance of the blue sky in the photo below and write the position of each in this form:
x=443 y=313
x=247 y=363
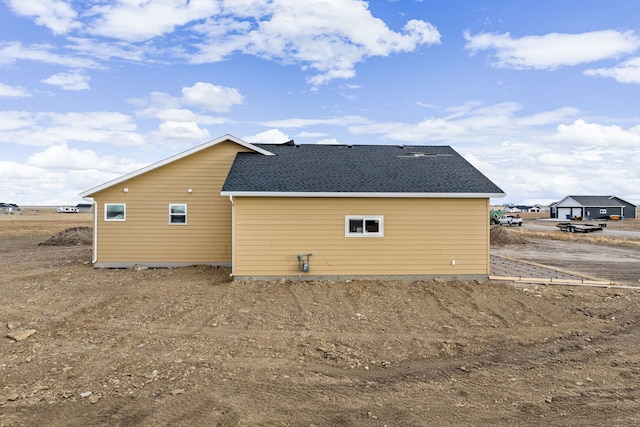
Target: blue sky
x=541 y=96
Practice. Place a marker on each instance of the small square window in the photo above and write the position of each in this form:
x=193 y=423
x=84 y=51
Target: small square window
x=115 y=212
x=177 y=213
x=363 y=226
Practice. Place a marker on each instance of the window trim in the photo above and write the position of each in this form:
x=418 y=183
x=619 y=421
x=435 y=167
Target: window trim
x=124 y=212
x=364 y=218
x=171 y=214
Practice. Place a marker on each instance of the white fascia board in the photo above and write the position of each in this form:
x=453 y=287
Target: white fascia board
x=568 y=202
x=362 y=195
x=173 y=159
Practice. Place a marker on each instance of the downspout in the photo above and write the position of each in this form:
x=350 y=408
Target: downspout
x=94 y=259
x=233 y=235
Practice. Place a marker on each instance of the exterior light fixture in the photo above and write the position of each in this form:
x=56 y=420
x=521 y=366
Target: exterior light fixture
x=126 y=189
x=190 y=190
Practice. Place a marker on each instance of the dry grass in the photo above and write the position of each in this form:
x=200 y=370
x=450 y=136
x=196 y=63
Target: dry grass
x=593 y=237
x=41 y=221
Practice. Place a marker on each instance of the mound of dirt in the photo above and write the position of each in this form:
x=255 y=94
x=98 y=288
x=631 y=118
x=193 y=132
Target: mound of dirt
x=75 y=236
x=502 y=236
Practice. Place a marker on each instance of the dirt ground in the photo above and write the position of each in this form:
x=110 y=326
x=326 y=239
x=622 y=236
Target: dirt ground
x=188 y=347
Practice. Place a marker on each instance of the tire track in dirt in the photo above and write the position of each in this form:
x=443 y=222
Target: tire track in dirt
x=557 y=350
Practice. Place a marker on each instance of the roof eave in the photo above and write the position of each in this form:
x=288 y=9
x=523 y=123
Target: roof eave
x=362 y=194
x=178 y=156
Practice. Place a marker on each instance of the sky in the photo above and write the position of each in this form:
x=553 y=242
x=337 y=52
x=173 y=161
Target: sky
x=541 y=96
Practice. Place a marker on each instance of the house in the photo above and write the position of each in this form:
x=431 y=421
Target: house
x=288 y=211
x=84 y=207
x=593 y=207
x=513 y=209
x=7 y=208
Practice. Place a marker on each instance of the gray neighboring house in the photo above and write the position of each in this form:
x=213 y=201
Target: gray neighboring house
x=593 y=207
x=85 y=207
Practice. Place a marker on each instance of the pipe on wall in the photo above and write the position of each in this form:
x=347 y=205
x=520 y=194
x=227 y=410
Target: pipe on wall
x=94 y=258
x=233 y=234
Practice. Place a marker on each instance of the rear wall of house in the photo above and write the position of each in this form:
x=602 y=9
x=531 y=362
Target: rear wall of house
x=146 y=237
x=421 y=237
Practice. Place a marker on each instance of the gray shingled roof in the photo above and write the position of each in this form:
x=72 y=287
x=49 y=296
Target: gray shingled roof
x=597 y=201
x=356 y=169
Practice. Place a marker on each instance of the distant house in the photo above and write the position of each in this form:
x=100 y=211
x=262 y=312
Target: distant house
x=291 y=211
x=9 y=207
x=84 y=207
x=521 y=208
x=593 y=207
x=511 y=208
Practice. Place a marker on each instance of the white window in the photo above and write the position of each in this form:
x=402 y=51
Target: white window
x=363 y=226
x=115 y=212
x=177 y=213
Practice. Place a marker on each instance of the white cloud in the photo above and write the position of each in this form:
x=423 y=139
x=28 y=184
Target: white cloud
x=334 y=121
x=328 y=141
x=142 y=20
x=180 y=123
x=175 y=115
x=328 y=36
x=553 y=50
x=13 y=51
x=179 y=115
x=13 y=91
x=306 y=134
x=69 y=81
x=46 y=128
x=548 y=117
x=469 y=122
x=596 y=135
x=576 y=158
x=58 y=174
x=183 y=131
x=26 y=185
x=271 y=136
x=152 y=105
x=14 y=120
x=105 y=51
x=56 y=15
x=211 y=97
x=67 y=160
x=625 y=72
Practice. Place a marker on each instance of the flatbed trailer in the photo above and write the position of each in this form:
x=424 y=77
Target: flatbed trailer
x=578 y=228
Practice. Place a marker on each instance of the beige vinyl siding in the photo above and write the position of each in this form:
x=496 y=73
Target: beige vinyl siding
x=147 y=237
x=421 y=237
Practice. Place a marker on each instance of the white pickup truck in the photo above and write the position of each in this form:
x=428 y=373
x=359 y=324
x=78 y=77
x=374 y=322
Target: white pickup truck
x=510 y=220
